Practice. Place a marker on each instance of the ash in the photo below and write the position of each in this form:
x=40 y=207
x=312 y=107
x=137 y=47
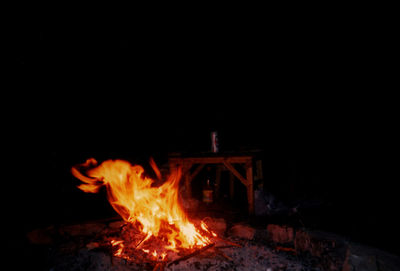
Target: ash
x=251 y=256
x=88 y=247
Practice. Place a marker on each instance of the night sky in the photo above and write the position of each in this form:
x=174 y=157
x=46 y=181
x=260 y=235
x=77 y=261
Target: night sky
x=296 y=92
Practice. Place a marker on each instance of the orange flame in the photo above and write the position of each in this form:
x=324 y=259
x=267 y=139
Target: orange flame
x=132 y=195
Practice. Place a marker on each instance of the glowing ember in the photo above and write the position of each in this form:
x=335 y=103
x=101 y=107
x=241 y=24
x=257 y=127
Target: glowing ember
x=154 y=211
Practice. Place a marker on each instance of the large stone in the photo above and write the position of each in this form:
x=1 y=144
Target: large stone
x=280 y=234
x=242 y=231
x=218 y=225
x=302 y=242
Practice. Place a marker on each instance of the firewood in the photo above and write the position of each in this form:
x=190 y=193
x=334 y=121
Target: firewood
x=141 y=241
x=196 y=252
x=228 y=242
x=286 y=249
x=223 y=254
x=160 y=266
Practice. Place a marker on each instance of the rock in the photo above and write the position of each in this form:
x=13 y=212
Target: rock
x=92 y=245
x=242 y=231
x=88 y=229
x=217 y=225
x=302 y=242
x=280 y=234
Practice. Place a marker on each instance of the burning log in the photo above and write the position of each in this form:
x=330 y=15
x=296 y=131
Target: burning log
x=141 y=241
x=160 y=266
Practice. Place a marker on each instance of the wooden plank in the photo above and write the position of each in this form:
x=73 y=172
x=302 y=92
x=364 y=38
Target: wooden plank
x=217 y=181
x=250 y=188
x=239 y=159
x=211 y=160
x=197 y=170
x=235 y=172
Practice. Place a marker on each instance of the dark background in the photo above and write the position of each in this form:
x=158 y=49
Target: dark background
x=302 y=92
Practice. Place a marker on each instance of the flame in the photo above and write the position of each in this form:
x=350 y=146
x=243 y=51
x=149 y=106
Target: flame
x=120 y=246
x=155 y=210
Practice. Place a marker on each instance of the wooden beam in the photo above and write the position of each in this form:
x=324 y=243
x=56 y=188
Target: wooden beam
x=217 y=181
x=211 y=160
x=235 y=172
x=197 y=170
x=250 y=188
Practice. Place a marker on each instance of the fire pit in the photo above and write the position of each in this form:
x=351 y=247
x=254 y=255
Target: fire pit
x=157 y=227
x=155 y=233
x=90 y=246
x=93 y=246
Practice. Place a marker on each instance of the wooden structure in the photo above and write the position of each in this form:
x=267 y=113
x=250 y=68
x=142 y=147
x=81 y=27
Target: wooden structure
x=186 y=163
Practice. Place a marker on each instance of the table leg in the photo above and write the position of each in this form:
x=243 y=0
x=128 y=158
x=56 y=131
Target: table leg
x=250 y=188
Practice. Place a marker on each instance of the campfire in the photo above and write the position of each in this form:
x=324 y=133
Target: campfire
x=156 y=228
x=155 y=232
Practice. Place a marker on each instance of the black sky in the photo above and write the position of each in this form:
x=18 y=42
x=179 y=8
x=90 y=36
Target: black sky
x=286 y=86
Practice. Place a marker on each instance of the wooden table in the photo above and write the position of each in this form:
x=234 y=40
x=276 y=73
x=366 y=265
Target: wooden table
x=186 y=163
